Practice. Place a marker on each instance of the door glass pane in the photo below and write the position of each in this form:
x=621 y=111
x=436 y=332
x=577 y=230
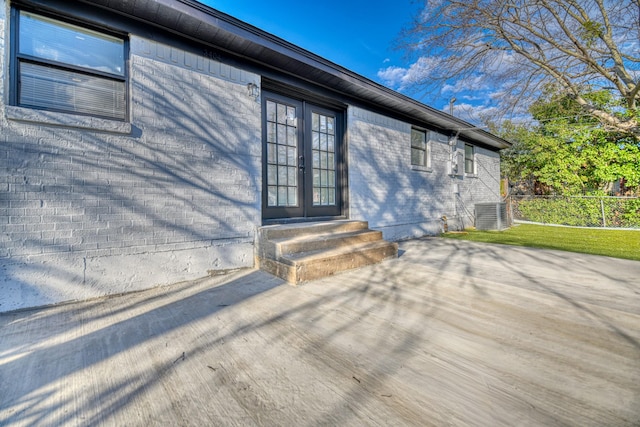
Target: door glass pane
x=282 y=175
x=293 y=177
x=271 y=113
x=291 y=115
x=271 y=132
x=282 y=196
x=323 y=160
x=291 y=135
x=271 y=153
x=273 y=196
x=282 y=154
x=282 y=134
x=282 y=113
x=272 y=174
x=292 y=198
x=291 y=156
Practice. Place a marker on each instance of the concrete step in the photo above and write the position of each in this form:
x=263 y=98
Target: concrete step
x=302 y=252
x=286 y=231
x=301 y=267
x=329 y=240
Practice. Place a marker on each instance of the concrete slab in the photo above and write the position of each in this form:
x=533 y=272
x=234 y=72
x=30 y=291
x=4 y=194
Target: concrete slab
x=450 y=333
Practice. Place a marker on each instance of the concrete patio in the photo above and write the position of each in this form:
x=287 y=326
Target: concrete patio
x=450 y=333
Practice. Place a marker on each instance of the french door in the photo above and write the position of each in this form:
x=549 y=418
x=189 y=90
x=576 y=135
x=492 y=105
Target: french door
x=302 y=164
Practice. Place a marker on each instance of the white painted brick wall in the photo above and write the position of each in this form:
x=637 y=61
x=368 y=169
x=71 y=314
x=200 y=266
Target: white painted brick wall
x=484 y=187
x=401 y=201
x=90 y=207
x=86 y=212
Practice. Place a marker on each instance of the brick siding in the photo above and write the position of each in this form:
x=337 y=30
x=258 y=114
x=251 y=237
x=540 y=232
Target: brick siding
x=90 y=207
x=182 y=179
x=403 y=201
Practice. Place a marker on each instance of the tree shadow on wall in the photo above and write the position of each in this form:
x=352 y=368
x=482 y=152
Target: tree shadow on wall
x=189 y=177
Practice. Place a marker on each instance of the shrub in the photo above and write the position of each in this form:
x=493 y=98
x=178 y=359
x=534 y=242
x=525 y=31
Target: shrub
x=579 y=211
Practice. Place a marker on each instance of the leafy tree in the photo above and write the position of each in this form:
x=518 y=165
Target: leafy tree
x=523 y=46
x=569 y=152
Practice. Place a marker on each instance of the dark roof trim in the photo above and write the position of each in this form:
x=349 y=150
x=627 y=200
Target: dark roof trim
x=202 y=23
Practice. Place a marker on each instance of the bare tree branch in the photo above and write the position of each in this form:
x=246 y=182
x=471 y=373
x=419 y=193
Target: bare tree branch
x=524 y=45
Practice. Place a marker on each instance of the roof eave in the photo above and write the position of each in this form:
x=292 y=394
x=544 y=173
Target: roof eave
x=197 y=21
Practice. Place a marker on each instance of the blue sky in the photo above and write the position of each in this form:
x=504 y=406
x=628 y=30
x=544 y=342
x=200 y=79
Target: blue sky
x=355 y=34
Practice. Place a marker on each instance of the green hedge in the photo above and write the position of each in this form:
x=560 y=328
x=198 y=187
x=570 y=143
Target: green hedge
x=576 y=211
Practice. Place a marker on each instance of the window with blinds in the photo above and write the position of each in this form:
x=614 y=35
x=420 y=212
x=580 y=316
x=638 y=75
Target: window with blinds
x=68 y=68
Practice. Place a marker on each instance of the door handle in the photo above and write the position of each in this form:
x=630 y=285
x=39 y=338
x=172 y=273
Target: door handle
x=301 y=162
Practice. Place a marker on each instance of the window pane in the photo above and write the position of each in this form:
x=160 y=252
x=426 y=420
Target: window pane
x=324 y=196
x=282 y=196
x=323 y=160
x=271 y=111
x=50 y=88
x=282 y=175
x=272 y=196
x=293 y=196
x=291 y=136
x=282 y=134
x=418 y=138
x=271 y=132
x=272 y=175
x=468 y=150
x=271 y=153
x=417 y=157
x=282 y=114
x=330 y=126
x=282 y=154
x=58 y=41
x=293 y=177
x=291 y=116
x=291 y=156
x=468 y=159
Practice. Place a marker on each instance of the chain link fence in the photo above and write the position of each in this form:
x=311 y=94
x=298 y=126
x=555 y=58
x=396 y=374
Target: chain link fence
x=579 y=211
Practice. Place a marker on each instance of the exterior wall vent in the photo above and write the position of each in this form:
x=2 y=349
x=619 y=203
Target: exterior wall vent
x=491 y=216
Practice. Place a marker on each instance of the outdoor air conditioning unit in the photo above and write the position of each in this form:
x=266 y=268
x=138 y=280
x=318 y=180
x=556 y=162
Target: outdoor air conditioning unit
x=491 y=216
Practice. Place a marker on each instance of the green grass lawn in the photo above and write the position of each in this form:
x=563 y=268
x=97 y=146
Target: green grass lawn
x=613 y=243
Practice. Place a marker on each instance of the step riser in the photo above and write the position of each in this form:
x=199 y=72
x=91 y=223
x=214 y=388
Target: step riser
x=302 y=252
x=325 y=243
x=276 y=233
x=301 y=272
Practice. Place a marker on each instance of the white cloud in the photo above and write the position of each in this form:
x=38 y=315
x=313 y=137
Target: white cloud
x=474 y=84
x=392 y=76
x=479 y=97
x=400 y=78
